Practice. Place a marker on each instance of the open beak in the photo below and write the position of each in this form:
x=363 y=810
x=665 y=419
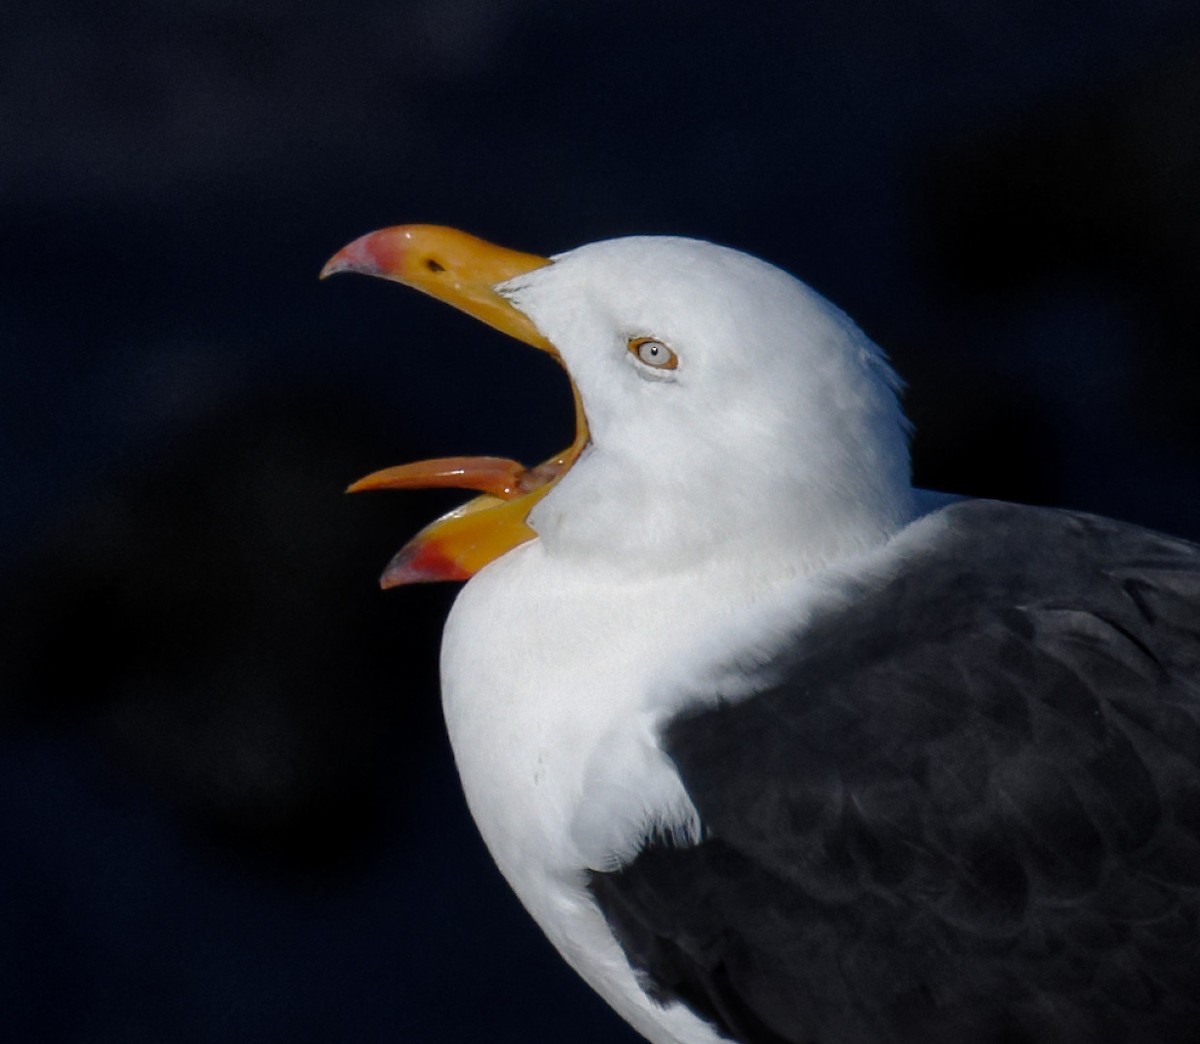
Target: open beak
x=462 y=271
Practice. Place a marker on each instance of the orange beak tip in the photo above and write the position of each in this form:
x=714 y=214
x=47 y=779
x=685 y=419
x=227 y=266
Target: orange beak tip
x=420 y=563
x=376 y=254
x=338 y=263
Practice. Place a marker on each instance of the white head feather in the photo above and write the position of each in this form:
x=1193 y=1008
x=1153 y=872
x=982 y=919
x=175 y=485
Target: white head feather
x=777 y=442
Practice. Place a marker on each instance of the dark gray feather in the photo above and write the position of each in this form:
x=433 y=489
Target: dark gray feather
x=964 y=805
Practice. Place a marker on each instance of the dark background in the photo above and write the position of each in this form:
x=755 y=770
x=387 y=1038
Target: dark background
x=227 y=809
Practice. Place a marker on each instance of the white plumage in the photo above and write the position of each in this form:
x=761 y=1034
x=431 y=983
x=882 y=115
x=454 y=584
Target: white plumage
x=771 y=745
x=708 y=499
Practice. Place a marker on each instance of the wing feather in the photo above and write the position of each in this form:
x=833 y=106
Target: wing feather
x=964 y=805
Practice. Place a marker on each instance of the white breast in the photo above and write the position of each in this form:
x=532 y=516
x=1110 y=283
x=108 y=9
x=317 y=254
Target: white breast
x=551 y=703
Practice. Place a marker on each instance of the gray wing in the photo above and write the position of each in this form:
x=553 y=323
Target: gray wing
x=965 y=806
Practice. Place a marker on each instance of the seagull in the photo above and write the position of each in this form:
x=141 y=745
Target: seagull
x=773 y=746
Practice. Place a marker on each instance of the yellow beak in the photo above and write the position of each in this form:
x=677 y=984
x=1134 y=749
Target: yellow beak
x=462 y=271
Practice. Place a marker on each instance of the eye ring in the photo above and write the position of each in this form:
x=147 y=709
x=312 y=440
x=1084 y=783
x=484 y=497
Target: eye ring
x=653 y=352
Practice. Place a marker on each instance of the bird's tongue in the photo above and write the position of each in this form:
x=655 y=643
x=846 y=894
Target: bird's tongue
x=502 y=478
x=464 y=540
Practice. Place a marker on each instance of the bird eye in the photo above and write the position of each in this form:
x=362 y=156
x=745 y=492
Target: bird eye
x=653 y=353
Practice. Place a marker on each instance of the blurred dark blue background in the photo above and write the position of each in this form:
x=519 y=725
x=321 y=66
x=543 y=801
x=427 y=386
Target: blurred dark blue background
x=227 y=811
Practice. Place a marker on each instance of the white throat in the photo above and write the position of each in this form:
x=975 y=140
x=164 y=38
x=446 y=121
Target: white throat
x=556 y=677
